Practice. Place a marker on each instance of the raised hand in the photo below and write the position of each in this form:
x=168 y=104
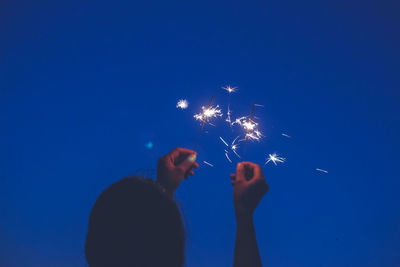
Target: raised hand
x=175 y=166
x=249 y=186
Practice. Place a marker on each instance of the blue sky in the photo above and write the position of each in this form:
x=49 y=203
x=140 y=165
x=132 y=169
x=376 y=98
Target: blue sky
x=84 y=86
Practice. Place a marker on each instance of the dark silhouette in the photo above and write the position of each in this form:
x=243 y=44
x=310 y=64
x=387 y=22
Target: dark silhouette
x=136 y=222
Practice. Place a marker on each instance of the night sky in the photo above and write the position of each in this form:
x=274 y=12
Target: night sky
x=86 y=85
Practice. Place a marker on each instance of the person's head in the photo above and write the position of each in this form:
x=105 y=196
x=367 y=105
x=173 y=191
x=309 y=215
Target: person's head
x=135 y=223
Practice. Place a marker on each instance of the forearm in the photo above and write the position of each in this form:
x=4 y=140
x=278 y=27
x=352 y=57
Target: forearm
x=246 y=249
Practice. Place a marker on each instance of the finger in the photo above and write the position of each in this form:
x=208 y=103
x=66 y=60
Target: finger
x=257 y=172
x=187 y=164
x=233 y=183
x=232 y=176
x=258 y=175
x=195 y=165
x=240 y=171
x=188 y=173
x=178 y=151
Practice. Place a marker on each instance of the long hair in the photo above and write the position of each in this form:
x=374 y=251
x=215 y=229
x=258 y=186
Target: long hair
x=135 y=223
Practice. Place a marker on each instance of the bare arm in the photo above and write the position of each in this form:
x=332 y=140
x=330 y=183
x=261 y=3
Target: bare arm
x=249 y=186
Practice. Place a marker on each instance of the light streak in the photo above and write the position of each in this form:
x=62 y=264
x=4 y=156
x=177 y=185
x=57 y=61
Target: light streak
x=223 y=141
x=321 y=170
x=208 y=163
x=230 y=89
x=227 y=156
x=182 y=104
x=274 y=158
x=285 y=135
x=208 y=113
x=259 y=105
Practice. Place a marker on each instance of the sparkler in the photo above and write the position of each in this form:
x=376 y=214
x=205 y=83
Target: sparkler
x=285 y=135
x=182 y=104
x=274 y=159
x=208 y=113
x=208 y=163
x=249 y=125
x=321 y=170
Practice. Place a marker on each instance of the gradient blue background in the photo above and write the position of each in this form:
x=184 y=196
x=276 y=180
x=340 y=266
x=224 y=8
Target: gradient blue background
x=84 y=85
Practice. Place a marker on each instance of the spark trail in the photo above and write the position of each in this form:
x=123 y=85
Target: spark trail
x=208 y=163
x=321 y=170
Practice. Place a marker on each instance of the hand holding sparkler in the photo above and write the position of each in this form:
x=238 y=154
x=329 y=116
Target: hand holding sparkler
x=175 y=166
x=249 y=186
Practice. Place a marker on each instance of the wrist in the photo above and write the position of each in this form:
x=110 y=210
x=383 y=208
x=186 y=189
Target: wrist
x=166 y=188
x=243 y=217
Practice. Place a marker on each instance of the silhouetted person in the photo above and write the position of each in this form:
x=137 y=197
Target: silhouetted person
x=136 y=222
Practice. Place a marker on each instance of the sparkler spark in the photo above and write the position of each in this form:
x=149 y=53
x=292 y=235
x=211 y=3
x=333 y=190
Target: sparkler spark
x=229 y=89
x=254 y=135
x=208 y=113
x=208 y=163
x=182 y=104
x=247 y=124
x=285 y=135
x=274 y=158
x=250 y=127
x=321 y=170
x=234 y=147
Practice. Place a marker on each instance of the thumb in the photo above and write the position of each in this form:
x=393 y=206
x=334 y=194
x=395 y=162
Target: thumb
x=187 y=164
